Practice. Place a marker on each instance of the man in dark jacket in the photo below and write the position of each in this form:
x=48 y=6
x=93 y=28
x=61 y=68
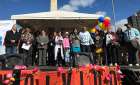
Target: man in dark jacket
x=11 y=40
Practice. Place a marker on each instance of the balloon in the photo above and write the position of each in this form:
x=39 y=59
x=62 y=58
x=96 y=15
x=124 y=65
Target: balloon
x=9 y=75
x=97 y=27
x=91 y=66
x=106 y=23
x=107 y=18
x=6 y=82
x=60 y=69
x=102 y=26
x=12 y=79
x=93 y=30
x=101 y=19
x=35 y=70
x=21 y=67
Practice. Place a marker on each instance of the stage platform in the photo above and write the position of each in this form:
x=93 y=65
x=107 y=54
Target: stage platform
x=132 y=75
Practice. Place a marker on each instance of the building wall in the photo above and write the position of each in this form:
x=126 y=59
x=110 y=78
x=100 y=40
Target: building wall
x=135 y=20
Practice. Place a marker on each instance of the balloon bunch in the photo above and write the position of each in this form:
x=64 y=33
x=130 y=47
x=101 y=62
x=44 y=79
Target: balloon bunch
x=104 y=23
x=9 y=79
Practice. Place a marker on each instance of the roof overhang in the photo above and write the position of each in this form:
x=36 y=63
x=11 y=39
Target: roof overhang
x=60 y=15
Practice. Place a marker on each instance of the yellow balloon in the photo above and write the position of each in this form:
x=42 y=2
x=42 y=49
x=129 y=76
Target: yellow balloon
x=108 y=18
x=12 y=79
x=93 y=30
x=100 y=25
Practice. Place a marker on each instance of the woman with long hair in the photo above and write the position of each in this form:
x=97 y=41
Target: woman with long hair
x=27 y=45
x=59 y=56
x=42 y=41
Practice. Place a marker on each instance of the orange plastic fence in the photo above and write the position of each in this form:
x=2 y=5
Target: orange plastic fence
x=81 y=76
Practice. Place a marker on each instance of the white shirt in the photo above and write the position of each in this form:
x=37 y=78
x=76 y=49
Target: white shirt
x=109 y=38
x=57 y=39
x=85 y=38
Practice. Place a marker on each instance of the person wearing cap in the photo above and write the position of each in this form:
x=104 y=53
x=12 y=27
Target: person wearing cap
x=132 y=38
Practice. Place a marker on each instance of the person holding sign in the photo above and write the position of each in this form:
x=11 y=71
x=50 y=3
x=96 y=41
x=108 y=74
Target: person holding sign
x=27 y=39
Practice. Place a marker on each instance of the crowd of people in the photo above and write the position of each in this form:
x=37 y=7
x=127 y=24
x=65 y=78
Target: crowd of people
x=62 y=48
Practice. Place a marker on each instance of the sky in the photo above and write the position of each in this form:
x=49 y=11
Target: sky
x=123 y=8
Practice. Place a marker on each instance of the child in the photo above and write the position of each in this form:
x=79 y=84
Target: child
x=66 y=45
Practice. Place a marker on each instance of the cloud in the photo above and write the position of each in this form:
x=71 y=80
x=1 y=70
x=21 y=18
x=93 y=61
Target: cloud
x=74 y=5
x=101 y=13
x=69 y=8
x=120 y=24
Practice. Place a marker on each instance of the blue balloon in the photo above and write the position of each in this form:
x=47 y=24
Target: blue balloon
x=101 y=19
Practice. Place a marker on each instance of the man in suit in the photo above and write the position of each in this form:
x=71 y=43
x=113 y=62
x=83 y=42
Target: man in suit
x=11 y=41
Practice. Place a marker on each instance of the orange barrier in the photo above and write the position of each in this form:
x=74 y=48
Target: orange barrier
x=82 y=76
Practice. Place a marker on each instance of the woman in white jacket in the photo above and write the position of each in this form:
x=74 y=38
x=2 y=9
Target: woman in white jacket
x=58 y=46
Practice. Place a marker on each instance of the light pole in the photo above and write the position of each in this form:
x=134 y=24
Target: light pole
x=114 y=15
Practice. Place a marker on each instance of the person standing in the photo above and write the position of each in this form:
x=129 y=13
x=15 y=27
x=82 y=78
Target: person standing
x=132 y=39
x=42 y=41
x=66 y=46
x=27 y=45
x=123 y=51
x=85 y=40
x=51 y=46
x=75 y=47
x=98 y=45
x=59 y=56
x=11 y=40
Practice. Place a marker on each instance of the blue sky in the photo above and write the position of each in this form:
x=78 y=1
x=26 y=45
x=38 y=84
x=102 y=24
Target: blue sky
x=123 y=8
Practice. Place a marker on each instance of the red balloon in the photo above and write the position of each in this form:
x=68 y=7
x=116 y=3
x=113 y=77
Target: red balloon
x=106 y=23
x=35 y=70
x=60 y=69
x=6 y=82
x=9 y=75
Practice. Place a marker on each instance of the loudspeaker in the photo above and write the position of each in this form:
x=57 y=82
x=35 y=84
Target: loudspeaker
x=83 y=59
x=8 y=61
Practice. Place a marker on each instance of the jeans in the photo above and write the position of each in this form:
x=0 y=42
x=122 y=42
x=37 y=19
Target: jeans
x=11 y=50
x=131 y=53
x=85 y=48
x=113 y=53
